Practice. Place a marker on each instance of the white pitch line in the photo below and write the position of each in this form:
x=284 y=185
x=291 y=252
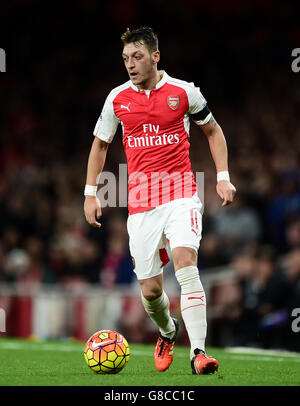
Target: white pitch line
x=45 y=347
x=228 y=356
x=263 y=351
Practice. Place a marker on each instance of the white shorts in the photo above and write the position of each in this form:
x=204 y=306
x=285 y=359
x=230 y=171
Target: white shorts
x=154 y=233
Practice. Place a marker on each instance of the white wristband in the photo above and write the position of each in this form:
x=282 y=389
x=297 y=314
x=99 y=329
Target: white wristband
x=90 y=190
x=223 y=175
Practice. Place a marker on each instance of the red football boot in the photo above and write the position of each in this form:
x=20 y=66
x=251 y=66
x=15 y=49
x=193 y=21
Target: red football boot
x=203 y=364
x=163 y=353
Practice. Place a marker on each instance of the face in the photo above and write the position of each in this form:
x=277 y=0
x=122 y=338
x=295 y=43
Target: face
x=140 y=64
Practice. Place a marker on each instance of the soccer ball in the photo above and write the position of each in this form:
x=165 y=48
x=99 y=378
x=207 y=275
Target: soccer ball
x=106 y=352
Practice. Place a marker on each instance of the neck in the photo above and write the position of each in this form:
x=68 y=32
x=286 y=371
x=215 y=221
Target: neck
x=151 y=82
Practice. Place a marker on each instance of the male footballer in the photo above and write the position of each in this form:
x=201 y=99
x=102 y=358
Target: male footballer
x=154 y=110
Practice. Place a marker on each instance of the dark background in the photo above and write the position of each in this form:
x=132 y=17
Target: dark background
x=63 y=58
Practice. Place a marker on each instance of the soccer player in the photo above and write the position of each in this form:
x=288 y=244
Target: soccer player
x=154 y=110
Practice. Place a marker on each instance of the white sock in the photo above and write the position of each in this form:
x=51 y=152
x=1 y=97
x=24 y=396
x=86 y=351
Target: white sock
x=193 y=306
x=159 y=312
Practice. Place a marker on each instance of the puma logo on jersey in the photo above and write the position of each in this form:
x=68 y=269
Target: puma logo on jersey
x=125 y=107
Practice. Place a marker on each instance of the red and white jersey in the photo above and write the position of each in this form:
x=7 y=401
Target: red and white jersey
x=155 y=126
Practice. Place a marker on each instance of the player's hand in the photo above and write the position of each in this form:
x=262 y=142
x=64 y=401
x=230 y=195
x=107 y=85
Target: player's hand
x=92 y=210
x=226 y=191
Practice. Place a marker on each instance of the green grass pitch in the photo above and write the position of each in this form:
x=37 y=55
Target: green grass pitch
x=61 y=363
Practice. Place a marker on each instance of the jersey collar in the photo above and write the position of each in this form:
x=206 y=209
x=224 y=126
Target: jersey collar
x=162 y=81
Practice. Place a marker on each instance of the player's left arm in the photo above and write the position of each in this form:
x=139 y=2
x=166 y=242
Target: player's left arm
x=218 y=148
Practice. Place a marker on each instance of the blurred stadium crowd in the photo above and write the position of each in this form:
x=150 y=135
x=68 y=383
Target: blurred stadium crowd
x=56 y=82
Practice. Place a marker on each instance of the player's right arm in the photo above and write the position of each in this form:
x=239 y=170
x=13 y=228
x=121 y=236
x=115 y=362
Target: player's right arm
x=104 y=132
x=96 y=161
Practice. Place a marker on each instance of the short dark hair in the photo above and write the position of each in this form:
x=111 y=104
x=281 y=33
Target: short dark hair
x=142 y=35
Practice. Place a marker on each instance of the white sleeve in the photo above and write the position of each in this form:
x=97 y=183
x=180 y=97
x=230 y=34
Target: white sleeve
x=107 y=123
x=198 y=109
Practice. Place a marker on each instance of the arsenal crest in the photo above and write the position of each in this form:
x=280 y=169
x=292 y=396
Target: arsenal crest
x=173 y=102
